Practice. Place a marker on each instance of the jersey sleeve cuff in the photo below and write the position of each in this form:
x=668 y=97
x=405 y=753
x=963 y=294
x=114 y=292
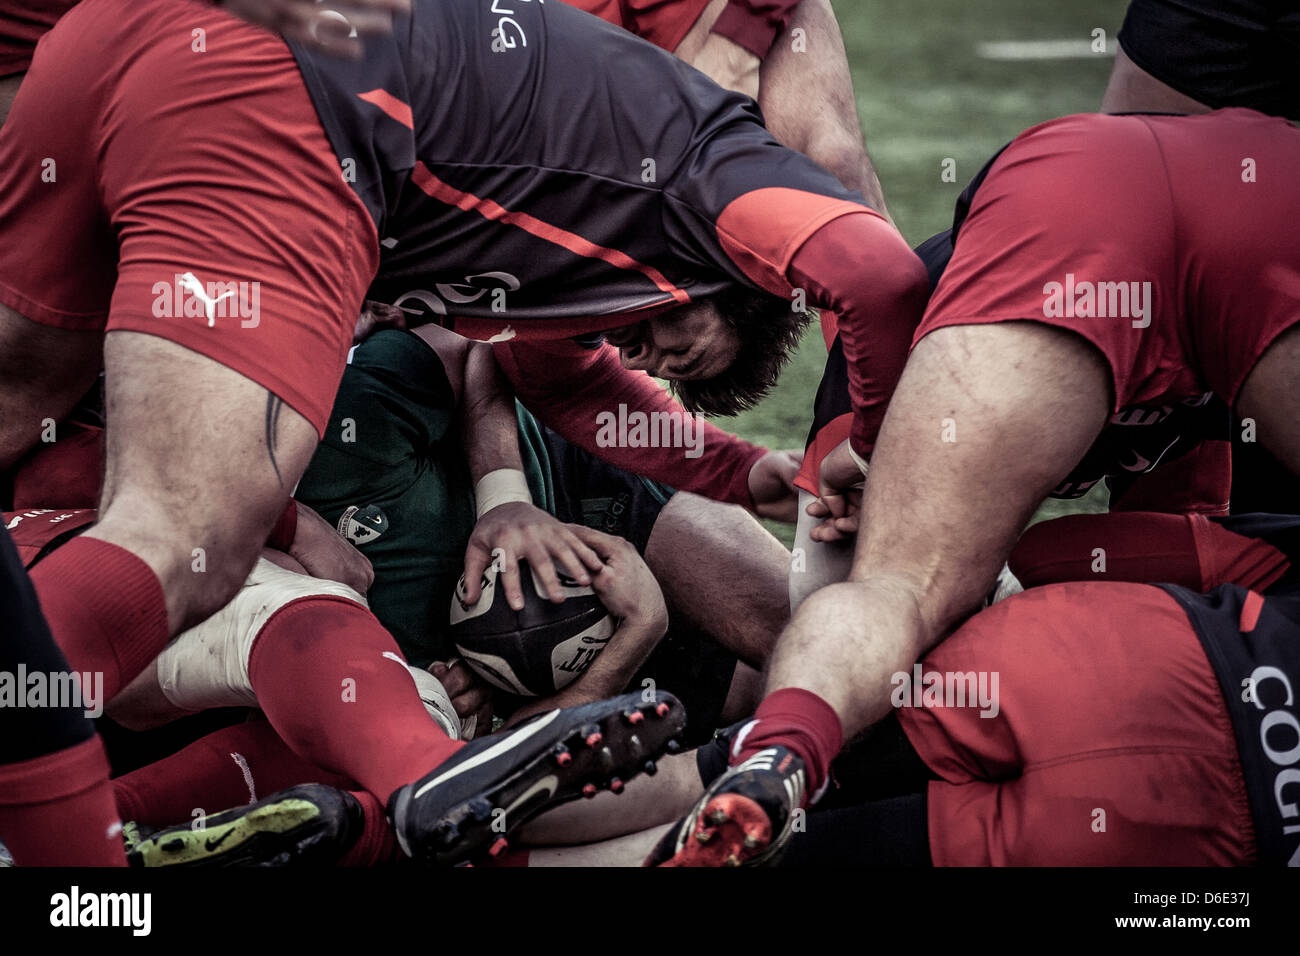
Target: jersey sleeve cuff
x=742 y=26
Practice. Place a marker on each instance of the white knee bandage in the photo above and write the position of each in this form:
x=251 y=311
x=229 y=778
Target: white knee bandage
x=207 y=666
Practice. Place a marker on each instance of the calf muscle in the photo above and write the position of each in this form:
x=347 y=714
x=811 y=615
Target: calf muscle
x=199 y=462
x=941 y=516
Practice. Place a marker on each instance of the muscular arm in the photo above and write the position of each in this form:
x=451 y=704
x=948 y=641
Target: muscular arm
x=515 y=529
x=863 y=270
x=488 y=419
x=804 y=88
x=854 y=263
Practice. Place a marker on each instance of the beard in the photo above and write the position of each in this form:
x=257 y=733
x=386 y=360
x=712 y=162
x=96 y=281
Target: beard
x=769 y=331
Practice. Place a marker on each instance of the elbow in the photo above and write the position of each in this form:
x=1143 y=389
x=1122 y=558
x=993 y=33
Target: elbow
x=900 y=284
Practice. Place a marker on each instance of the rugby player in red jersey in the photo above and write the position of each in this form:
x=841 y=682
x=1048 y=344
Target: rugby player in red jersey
x=787 y=54
x=1061 y=310
x=1192 y=56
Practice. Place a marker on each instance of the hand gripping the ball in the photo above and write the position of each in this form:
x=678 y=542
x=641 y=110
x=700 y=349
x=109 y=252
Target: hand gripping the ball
x=518 y=530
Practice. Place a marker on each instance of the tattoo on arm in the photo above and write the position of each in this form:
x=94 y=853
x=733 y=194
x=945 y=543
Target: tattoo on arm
x=273 y=405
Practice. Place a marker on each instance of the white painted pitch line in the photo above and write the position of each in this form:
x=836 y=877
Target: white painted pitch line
x=1041 y=50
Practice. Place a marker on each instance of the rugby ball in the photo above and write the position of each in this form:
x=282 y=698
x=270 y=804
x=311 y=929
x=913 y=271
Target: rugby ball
x=538 y=650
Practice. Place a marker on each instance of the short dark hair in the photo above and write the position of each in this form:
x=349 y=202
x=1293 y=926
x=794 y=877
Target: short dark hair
x=769 y=330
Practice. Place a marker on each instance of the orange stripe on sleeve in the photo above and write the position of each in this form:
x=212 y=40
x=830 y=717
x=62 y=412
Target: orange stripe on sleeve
x=1250 y=609
x=391 y=105
x=424 y=178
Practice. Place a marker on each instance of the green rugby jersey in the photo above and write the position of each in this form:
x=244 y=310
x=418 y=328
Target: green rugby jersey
x=391 y=475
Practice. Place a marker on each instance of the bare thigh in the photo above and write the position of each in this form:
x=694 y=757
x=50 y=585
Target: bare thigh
x=1023 y=402
x=199 y=462
x=723 y=571
x=1271 y=396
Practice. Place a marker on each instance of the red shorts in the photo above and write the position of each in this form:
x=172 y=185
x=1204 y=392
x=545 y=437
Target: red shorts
x=22 y=24
x=1111 y=744
x=183 y=189
x=1145 y=547
x=1084 y=220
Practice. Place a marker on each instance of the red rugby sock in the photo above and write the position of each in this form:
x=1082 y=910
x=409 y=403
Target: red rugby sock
x=377 y=845
x=331 y=681
x=58 y=810
x=228 y=768
x=105 y=608
x=801 y=721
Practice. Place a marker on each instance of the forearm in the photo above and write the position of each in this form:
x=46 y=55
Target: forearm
x=806 y=93
x=573 y=390
x=489 y=426
x=609 y=673
x=861 y=267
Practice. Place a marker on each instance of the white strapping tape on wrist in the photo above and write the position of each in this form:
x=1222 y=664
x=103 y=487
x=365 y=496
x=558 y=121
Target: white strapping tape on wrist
x=500 y=486
x=858 y=460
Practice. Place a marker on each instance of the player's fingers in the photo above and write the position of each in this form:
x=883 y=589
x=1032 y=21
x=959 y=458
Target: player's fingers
x=586 y=555
x=476 y=562
x=537 y=553
x=817 y=508
x=544 y=569
x=509 y=577
x=836 y=505
x=455 y=679
x=825 y=532
x=578 y=560
x=561 y=555
x=604 y=545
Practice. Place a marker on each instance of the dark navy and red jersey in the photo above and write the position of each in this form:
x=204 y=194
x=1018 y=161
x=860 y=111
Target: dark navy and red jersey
x=532 y=173
x=520 y=200
x=511 y=185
